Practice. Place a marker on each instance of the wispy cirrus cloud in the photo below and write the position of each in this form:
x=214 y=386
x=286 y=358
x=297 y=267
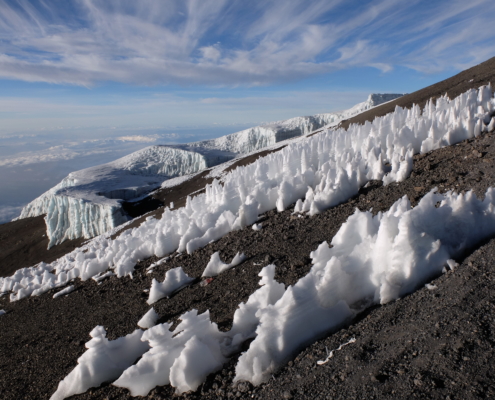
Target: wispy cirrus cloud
x=219 y=42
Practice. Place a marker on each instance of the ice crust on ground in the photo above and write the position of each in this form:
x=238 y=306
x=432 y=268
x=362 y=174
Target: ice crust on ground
x=175 y=279
x=104 y=361
x=87 y=203
x=216 y=266
x=99 y=277
x=149 y=319
x=316 y=173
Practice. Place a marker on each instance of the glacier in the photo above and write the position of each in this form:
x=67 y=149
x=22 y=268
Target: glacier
x=259 y=137
x=88 y=203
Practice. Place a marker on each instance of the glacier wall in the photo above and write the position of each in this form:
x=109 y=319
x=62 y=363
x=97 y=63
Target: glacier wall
x=87 y=203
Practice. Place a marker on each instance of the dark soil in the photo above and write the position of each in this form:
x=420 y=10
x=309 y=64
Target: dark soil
x=23 y=243
x=432 y=344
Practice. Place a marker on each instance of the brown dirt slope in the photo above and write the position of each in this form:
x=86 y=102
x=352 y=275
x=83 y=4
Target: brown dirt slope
x=23 y=243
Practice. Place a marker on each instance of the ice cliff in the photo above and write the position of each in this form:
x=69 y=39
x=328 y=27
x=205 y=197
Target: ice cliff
x=87 y=203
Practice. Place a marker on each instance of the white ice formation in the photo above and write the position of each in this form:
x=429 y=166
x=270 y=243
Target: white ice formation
x=63 y=292
x=149 y=319
x=87 y=203
x=175 y=279
x=316 y=172
x=373 y=259
x=196 y=348
x=104 y=361
x=216 y=266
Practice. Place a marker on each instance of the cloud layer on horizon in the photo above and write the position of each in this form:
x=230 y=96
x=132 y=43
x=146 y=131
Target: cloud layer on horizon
x=221 y=42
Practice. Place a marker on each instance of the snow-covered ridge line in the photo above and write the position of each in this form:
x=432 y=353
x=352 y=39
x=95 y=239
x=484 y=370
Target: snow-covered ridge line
x=260 y=137
x=324 y=170
x=87 y=202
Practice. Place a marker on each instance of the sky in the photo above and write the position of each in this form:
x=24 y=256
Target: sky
x=87 y=81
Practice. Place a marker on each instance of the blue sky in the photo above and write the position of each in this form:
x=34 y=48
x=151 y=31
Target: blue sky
x=87 y=63
x=78 y=76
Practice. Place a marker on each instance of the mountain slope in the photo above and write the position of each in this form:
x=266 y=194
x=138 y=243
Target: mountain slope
x=278 y=239
x=24 y=350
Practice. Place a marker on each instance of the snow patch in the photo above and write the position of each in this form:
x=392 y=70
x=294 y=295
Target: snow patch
x=196 y=348
x=65 y=291
x=103 y=361
x=216 y=266
x=175 y=279
x=371 y=260
x=149 y=319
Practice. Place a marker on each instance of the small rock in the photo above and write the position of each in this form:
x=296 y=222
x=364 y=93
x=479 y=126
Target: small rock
x=286 y=395
x=419 y=188
x=268 y=258
x=418 y=382
x=243 y=387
